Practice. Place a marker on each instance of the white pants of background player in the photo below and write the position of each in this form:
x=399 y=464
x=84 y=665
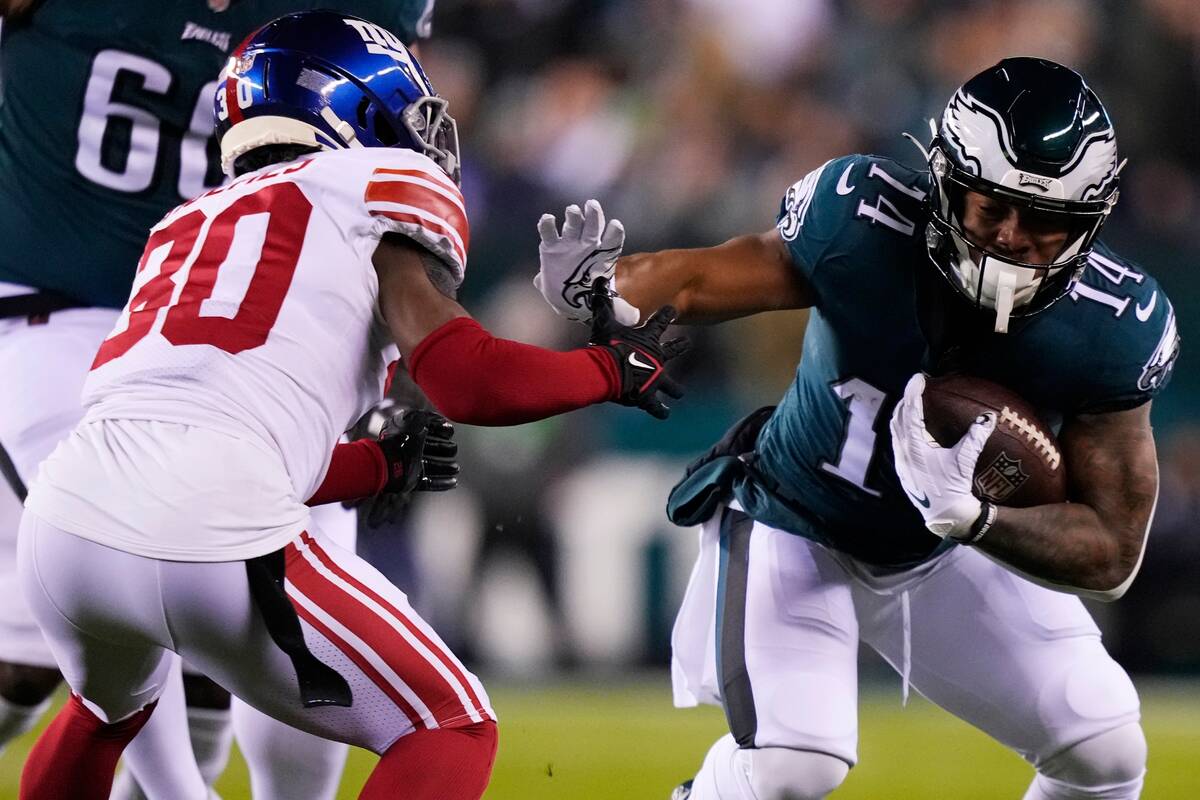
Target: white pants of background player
x=42 y=368
x=770 y=625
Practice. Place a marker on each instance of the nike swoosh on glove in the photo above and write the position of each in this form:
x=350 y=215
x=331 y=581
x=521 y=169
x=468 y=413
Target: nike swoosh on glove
x=571 y=262
x=938 y=480
x=640 y=355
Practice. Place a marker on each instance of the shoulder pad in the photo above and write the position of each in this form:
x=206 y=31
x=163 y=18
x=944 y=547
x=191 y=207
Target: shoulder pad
x=849 y=203
x=407 y=193
x=1127 y=310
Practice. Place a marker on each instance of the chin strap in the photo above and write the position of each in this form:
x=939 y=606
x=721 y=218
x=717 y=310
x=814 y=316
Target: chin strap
x=1006 y=286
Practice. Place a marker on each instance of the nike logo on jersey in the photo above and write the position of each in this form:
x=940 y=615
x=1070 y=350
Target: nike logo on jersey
x=633 y=359
x=1143 y=314
x=922 y=501
x=843 y=185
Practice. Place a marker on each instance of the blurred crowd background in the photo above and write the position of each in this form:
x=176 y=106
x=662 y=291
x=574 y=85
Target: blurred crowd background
x=689 y=119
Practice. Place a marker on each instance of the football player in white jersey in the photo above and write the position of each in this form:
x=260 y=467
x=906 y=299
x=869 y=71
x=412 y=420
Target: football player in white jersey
x=74 y=141
x=259 y=328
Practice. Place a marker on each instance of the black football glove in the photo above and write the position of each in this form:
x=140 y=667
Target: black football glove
x=640 y=356
x=421 y=456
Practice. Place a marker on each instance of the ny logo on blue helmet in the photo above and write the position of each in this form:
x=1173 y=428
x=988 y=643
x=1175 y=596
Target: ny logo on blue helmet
x=330 y=81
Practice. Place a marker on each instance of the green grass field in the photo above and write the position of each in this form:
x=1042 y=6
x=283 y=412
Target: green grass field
x=605 y=739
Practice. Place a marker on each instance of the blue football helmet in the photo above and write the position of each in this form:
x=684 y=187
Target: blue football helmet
x=330 y=81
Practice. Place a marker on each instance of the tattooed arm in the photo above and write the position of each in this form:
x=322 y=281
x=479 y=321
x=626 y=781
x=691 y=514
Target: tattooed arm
x=1093 y=545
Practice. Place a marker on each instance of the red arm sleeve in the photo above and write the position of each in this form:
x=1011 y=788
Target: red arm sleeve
x=475 y=378
x=357 y=470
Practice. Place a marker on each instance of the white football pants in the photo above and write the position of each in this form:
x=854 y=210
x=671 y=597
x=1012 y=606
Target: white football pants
x=111 y=617
x=771 y=622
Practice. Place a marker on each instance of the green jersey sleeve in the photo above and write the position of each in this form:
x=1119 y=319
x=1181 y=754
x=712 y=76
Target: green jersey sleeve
x=838 y=219
x=1130 y=313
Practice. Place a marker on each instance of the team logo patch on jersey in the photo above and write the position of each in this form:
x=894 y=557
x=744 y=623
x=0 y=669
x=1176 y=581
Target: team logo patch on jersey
x=1001 y=478
x=1158 y=369
x=796 y=202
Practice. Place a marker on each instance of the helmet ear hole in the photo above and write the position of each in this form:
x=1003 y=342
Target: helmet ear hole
x=360 y=113
x=384 y=132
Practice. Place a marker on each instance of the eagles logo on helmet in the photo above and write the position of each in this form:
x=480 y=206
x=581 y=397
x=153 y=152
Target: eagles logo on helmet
x=1030 y=134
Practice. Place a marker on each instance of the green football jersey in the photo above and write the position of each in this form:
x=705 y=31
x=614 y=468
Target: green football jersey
x=106 y=120
x=855 y=229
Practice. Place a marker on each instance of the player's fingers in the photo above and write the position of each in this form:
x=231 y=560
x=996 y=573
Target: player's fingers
x=614 y=235
x=977 y=435
x=442 y=453
x=441 y=469
x=572 y=223
x=672 y=348
x=593 y=220
x=602 y=307
x=913 y=397
x=669 y=386
x=548 y=229
x=659 y=321
x=655 y=408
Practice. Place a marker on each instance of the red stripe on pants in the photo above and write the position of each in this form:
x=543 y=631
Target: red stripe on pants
x=436 y=648
x=361 y=662
x=378 y=633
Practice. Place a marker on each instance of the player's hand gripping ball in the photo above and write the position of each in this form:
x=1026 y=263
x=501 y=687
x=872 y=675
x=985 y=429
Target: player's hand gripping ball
x=1021 y=464
x=957 y=439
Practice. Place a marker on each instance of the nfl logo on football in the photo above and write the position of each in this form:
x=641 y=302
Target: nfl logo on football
x=1002 y=477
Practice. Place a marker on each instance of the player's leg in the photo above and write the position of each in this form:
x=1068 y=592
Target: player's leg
x=25 y=688
x=38 y=407
x=767 y=629
x=209 y=723
x=283 y=761
x=404 y=681
x=99 y=609
x=159 y=762
x=1025 y=665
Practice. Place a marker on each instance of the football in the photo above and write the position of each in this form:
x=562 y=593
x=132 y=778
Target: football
x=1021 y=464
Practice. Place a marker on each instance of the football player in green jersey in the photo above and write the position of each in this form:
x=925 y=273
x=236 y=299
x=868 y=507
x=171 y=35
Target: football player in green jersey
x=106 y=124
x=833 y=519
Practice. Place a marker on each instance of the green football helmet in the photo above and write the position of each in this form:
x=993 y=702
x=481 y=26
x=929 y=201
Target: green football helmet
x=1030 y=134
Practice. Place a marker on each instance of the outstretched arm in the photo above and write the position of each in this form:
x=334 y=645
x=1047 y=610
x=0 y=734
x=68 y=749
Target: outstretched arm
x=1093 y=544
x=745 y=275
x=474 y=377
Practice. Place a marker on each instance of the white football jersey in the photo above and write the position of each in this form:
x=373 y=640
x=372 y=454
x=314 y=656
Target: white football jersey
x=255 y=313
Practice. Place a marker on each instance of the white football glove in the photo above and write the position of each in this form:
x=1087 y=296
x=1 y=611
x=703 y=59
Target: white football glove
x=587 y=249
x=938 y=479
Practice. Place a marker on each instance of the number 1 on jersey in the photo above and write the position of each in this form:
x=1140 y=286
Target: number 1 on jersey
x=863 y=404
